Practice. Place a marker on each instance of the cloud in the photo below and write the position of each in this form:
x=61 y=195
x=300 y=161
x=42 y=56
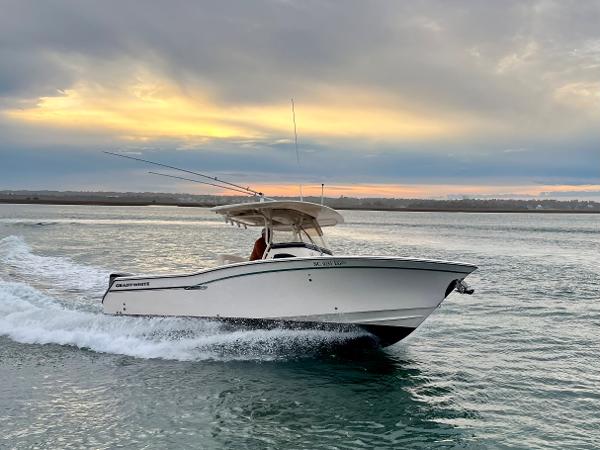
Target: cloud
x=386 y=91
x=427 y=55
x=147 y=108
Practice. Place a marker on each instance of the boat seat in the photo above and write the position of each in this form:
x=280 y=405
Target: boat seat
x=283 y=255
x=229 y=259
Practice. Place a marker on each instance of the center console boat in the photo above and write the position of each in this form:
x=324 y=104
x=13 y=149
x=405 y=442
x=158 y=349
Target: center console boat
x=298 y=282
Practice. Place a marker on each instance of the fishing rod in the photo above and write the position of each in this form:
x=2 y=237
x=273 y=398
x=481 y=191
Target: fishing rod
x=244 y=188
x=201 y=182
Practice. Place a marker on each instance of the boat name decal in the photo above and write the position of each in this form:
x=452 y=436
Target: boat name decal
x=144 y=283
x=328 y=263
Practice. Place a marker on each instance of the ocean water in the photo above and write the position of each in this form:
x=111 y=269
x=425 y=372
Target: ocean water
x=517 y=365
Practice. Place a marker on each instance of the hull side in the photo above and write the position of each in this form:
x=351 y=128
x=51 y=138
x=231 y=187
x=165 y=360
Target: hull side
x=389 y=297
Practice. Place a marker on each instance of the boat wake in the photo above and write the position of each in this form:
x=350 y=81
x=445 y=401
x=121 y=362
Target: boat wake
x=34 y=315
x=23 y=263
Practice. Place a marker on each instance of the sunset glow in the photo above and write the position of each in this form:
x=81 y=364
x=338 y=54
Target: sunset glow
x=155 y=109
x=440 y=191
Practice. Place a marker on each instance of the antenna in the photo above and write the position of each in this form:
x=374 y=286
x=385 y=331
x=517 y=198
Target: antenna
x=296 y=143
x=244 y=188
x=322 y=188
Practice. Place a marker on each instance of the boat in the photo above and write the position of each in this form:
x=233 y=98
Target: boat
x=298 y=281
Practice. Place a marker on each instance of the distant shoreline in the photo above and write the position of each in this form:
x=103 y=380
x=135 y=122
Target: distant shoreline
x=341 y=208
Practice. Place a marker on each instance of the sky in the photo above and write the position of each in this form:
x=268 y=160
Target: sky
x=428 y=99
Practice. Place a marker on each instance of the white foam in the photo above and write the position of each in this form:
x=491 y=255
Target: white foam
x=60 y=271
x=27 y=315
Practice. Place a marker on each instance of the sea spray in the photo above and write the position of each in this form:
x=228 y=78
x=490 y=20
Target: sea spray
x=59 y=271
x=32 y=314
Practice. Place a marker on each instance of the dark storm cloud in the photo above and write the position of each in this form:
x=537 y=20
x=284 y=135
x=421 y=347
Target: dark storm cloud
x=456 y=55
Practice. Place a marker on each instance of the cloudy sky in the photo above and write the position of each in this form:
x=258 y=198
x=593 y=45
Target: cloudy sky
x=406 y=99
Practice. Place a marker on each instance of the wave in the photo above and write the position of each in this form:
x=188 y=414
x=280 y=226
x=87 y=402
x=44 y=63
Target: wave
x=191 y=221
x=28 y=223
x=61 y=272
x=30 y=316
x=512 y=228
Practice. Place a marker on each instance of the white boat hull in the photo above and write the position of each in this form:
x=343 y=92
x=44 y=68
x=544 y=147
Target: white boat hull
x=387 y=296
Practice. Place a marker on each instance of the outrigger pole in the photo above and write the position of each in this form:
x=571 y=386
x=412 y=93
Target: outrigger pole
x=245 y=189
x=201 y=182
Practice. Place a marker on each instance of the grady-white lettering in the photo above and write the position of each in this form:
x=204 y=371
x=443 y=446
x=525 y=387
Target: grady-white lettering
x=145 y=283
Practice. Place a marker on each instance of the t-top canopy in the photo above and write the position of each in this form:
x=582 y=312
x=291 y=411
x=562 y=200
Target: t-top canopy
x=280 y=214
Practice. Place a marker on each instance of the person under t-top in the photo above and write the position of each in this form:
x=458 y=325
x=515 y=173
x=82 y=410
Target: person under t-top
x=259 y=247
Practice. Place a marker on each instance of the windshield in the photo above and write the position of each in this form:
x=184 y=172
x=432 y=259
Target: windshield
x=315 y=236
x=307 y=233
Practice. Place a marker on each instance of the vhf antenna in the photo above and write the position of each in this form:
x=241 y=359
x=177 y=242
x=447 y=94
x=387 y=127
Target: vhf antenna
x=296 y=144
x=245 y=189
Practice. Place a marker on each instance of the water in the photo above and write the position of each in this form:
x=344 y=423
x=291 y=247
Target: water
x=517 y=365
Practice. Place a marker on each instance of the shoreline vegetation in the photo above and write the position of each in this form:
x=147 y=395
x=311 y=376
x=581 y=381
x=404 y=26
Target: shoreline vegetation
x=342 y=203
